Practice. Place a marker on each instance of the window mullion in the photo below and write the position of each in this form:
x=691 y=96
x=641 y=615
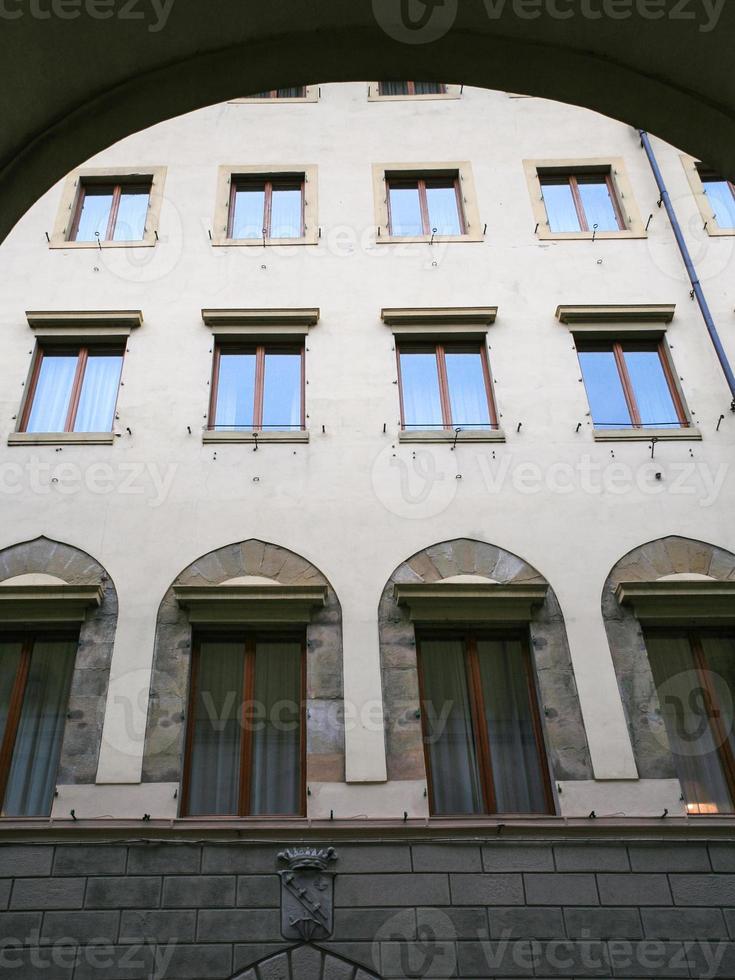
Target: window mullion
x=114 y=210
x=13 y=718
x=577 y=198
x=424 y=205
x=628 y=390
x=76 y=389
x=259 y=387
x=477 y=708
x=246 y=740
x=214 y=387
x=446 y=404
x=267 y=209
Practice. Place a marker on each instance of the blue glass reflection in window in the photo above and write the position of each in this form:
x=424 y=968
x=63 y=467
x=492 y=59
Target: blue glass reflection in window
x=604 y=390
x=52 y=393
x=560 y=208
x=248 y=218
x=286 y=209
x=443 y=208
x=235 y=391
x=94 y=215
x=467 y=390
x=405 y=211
x=598 y=205
x=131 y=214
x=651 y=389
x=100 y=385
x=420 y=390
x=722 y=201
x=282 y=391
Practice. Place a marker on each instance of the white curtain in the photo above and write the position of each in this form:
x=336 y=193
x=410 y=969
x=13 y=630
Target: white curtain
x=98 y=397
x=467 y=390
x=448 y=729
x=51 y=397
x=691 y=738
x=420 y=390
x=517 y=775
x=32 y=777
x=235 y=391
x=275 y=778
x=214 y=766
x=443 y=210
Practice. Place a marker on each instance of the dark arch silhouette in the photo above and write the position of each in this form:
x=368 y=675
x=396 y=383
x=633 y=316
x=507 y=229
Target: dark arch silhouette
x=61 y=103
x=306 y=962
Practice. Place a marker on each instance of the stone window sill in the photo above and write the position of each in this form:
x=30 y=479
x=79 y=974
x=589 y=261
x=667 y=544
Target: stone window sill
x=685 y=434
x=61 y=438
x=449 y=436
x=272 y=437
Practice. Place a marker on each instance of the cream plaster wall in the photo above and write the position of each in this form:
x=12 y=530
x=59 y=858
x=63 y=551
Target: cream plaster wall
x=353 y=501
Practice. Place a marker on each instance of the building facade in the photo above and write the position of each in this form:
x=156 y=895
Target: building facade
x=367 y=569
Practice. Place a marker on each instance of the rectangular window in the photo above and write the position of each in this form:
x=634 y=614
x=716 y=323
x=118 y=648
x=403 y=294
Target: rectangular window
x=630 y=385
x=445 y=386
x=35 y=678
x=258 y=386
x=73 y=390
x=267 y=208
x=721 y=195
x=581 y=202
x=110 y=212
x=295 y=92
x=411 y=88
x=695 y=678
x=245 y=737
x=430 y=205
x=481 y=724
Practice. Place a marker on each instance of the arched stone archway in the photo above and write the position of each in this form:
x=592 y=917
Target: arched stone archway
x=566 y=739
x=42 y=556
x=60 y=105
x=305 y=962
x=656 y=560
x=171 y=659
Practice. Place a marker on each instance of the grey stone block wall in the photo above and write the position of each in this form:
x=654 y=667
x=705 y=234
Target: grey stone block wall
x=562 y=718
x=88 y=694
x=172 y=658
x=665 y=556
x=467 y=909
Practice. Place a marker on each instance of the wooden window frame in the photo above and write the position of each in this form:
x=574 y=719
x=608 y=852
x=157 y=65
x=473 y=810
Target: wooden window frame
x=617 y=348
x=268 y=183
x=572 y=178
x=260 y=349
x=421 y=181
x=411 y=90
x=483 y=749
x=699 y=657
x=82 y=352
x=117 y=190
x=249 y=639
x=440 y=348
x=17 y=697
x=273 y=93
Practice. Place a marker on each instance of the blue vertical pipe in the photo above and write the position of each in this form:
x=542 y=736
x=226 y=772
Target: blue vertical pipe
x=692 y=272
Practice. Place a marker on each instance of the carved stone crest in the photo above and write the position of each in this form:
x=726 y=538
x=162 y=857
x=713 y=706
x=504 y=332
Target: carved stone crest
x=307 y=890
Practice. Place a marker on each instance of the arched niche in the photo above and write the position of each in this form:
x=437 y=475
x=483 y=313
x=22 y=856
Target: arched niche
x=247 y=565
x=305 y=962
x=665 y=566
x=44 y=583
x=463 y=564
